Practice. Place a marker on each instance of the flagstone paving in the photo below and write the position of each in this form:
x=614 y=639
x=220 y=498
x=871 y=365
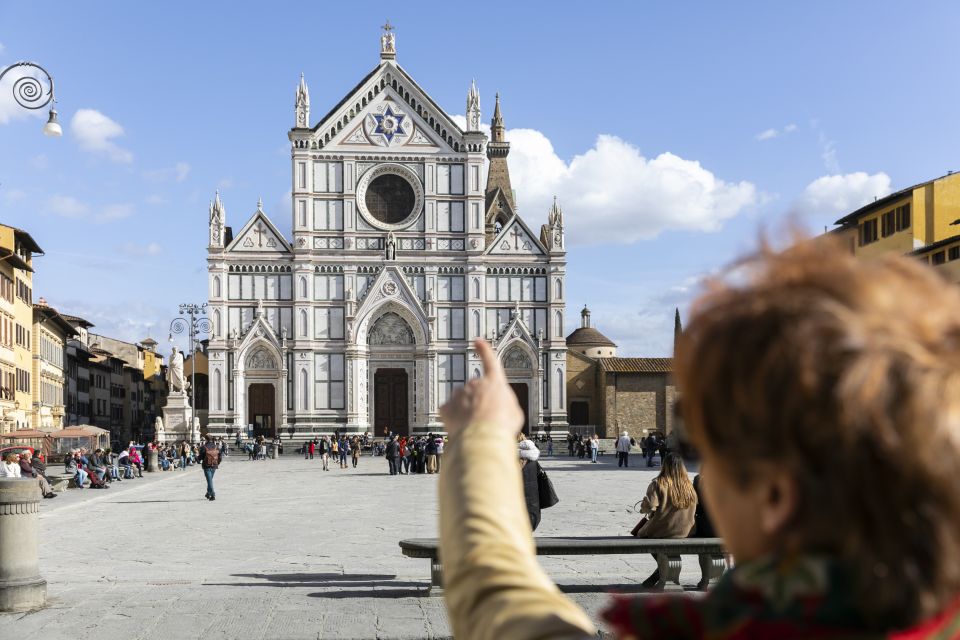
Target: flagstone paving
x=289 y=551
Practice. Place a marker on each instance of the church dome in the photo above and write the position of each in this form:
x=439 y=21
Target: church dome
x=590 y=342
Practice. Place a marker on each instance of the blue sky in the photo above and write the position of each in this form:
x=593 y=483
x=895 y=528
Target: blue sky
x=672 y=132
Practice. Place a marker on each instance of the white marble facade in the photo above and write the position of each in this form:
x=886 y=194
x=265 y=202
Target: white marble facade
x=401 y=254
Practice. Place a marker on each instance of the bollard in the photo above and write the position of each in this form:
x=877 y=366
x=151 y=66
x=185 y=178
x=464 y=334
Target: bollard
x=151 y=460
x=21 y=587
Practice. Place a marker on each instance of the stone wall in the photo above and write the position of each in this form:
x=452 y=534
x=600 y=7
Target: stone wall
x=637 y=403
x=582 y=387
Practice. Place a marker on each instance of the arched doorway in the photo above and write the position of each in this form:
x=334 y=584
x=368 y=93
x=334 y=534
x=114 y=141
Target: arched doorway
x=391 y=345
x=519 y=370
x=390 y=411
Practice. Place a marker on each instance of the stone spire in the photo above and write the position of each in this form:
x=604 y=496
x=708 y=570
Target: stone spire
x=499 y=208
x=473 y=107
x=551 y=234
x=217 y=222
x=555 y=217
x=677 y=329
x=388 y=43
x=303 y=104
x=496 y=125
x=585 y=318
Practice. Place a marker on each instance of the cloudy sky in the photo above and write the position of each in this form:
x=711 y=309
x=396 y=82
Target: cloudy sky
x=672 y=133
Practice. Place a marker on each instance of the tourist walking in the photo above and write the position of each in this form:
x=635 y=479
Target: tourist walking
x=344 y=449
x=594 y=448
x=550 y=446
x=403 y=463
x=311 y=447
x=210 y=461
x=355 y=450
x=431 y=453
x=324 y=444
x=623 y=450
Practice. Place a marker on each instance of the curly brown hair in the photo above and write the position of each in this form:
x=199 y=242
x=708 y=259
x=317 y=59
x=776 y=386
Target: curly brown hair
x=848 y=373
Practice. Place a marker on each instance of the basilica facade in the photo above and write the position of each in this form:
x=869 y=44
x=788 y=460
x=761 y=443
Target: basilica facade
x=406 y=245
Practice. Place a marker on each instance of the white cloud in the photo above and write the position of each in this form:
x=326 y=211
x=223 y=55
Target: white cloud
x=842 y=194
x=95 y=132
x=134 y=249
x=40 y=161
x=770 y=134
x=114 y=212
x=613 y=194
x=13 y=195
x=176 y=173
x=66 y=206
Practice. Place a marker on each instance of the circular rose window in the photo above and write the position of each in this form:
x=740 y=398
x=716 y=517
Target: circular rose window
x=390 y=196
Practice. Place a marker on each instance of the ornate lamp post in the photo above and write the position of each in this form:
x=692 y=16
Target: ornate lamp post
x=32 y=92
x=197 y=324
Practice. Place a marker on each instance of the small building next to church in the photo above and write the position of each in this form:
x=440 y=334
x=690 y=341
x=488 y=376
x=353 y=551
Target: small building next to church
x=608 y=394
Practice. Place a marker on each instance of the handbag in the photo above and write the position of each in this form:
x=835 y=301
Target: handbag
x=548 y=497
x=636 y=529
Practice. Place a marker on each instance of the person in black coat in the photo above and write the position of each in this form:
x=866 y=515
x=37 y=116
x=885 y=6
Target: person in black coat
x=529 y=454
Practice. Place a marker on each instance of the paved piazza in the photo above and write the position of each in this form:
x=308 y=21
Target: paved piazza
x=290 y=551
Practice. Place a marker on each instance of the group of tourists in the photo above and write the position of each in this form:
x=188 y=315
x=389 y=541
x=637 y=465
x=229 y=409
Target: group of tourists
x=414 y=454
x=338 y=446
x=23 y=465
x=103 y=466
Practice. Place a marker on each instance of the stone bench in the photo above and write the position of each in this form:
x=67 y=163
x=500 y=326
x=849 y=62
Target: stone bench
x=667 y=552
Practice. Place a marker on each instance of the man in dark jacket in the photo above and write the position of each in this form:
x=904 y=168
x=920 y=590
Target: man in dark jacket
x=210 y=458
x=531 y=491
x=393 y=450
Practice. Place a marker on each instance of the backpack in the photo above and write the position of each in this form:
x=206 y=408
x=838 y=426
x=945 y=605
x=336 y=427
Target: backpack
x=211 y=456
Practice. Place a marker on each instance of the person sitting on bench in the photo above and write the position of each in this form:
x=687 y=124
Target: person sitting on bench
x=822 y=392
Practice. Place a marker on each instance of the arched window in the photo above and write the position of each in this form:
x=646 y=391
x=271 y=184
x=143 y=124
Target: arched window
x=558 y=290
x=216 y=323
x=559 y=383
x=217 y=390
x=303 y=323
x=476 y=289
x=216 y=286
x=304 y=388
x=558 y=323
x=476 y=324
x=303 y=287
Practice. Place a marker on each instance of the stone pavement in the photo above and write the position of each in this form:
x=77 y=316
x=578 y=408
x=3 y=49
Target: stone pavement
x=289 y=551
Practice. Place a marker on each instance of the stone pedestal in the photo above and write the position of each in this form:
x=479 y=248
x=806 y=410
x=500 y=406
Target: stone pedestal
x=21 y=587
x=176 y=418
x=150 y=458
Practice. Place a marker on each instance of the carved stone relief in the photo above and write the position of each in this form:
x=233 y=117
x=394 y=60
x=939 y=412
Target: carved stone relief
x=391 y=329
x=516 y=359
x=261 y=359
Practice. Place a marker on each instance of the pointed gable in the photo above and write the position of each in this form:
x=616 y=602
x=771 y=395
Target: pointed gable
x=516 y=239
x=259 y=235
x=387 y=110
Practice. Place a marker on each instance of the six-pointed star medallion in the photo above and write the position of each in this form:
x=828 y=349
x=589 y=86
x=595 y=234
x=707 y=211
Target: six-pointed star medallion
x=389 y=124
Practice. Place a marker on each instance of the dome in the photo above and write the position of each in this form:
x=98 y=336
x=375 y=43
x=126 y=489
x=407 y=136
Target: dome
x=589 y=337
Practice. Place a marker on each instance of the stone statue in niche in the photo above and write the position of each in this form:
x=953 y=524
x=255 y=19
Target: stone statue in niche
x=391 y=246
x=391 y=329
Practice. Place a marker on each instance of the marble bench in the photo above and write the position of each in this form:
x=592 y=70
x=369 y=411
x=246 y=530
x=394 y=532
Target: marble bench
x=667 y=552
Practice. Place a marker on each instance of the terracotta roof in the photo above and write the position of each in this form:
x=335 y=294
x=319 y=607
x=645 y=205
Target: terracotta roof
x=637 y=365
x=588 y=336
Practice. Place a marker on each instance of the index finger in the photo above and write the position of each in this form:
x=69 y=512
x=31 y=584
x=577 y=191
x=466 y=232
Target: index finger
x=491 y=363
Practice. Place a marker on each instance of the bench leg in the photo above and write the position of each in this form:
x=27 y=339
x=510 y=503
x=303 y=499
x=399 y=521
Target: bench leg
x=669 y=568
x=436 y=578
x=711 y=568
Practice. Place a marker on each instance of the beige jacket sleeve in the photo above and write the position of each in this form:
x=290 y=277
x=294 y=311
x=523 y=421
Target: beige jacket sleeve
x=493 y=584
x=651 y=501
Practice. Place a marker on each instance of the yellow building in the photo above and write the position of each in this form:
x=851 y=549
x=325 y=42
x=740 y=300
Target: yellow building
x=50 y=334
x=921 y=220
x=17 y=249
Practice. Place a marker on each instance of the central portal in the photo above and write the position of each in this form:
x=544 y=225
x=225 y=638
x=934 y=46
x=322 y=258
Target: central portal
x=260 y=408
x=390 y=402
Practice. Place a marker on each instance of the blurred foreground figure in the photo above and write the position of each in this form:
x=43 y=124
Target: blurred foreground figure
x=823 y=396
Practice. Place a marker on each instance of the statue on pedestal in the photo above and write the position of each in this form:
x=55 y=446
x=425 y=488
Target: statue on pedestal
x=175 y=372
x=158 y=429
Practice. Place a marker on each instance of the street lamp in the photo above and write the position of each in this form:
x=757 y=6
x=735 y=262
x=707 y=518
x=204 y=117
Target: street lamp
x=197 y=324
x=32 y=93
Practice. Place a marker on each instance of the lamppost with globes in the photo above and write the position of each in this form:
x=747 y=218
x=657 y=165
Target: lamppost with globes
x=197 y=324
x=32 y=92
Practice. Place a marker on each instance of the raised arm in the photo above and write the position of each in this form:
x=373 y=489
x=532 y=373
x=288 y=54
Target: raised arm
x=493 y=585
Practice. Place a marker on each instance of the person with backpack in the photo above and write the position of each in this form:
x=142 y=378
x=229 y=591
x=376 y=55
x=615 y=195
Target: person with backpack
x=210 y=461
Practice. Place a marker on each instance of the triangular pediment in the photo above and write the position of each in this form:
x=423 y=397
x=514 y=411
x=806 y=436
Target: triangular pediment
x=498 y=205
x=517 y=333
x=516 y=239
x=260 y=332
x=391 y=288
x=388 y=111
x=259 y=235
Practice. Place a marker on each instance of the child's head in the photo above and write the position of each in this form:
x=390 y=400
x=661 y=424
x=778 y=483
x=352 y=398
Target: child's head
x=823 y=393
